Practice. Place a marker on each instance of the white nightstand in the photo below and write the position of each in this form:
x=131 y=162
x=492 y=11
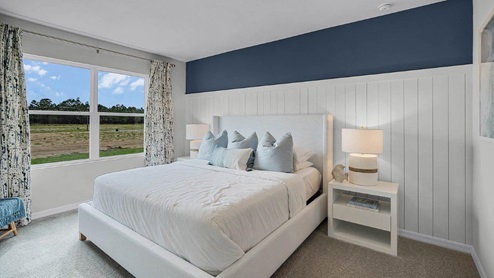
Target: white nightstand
x=183 y=158
x=375 y=230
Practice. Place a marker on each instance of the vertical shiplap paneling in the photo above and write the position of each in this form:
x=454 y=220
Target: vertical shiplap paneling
x=304 y=106
x=321 y=101
x=373 y=105
x=398 y=146
x=360 y=105
x=260 y=103
x=457 y=151
x=312 y=100
x=339 y=123
x=251 y=104
x=281 y=103
x=426 y=122
x=469 y=157
x=292 y=102
x=384 y=116
x=440 y=155
x=350 y=99
x=241 y=104
x=411 y=155
x=331 y=99
x=267 y=103
x=274 y=103
x=425 y=158
x=232 y=105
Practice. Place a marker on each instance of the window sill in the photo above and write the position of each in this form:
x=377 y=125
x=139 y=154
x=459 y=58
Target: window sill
x=86 y=161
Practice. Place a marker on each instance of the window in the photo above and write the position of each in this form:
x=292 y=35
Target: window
x=72 y=119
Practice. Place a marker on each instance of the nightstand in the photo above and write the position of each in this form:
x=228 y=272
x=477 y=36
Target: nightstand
x=183 y=158
x=375 y=230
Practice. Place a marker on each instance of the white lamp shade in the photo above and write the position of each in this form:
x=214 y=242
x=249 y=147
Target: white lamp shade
x=195 y=131
x=364 y=141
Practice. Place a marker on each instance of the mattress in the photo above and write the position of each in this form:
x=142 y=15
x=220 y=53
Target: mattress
x=312 y=181
x=207 y=215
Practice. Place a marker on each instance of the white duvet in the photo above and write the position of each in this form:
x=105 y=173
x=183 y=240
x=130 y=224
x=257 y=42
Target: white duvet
x=207 y=215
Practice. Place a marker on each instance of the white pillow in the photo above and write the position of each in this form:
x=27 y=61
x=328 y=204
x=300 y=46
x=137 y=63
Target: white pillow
x=231 y=158
x=301 y=154
x=302 y=165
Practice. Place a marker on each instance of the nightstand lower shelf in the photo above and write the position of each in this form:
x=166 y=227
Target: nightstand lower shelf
x=376 y=239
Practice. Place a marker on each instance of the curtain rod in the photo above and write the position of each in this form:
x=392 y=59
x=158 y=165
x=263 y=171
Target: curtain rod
x=98 y=49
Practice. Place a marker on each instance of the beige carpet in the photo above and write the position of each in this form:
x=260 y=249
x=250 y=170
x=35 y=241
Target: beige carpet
x=50 y=247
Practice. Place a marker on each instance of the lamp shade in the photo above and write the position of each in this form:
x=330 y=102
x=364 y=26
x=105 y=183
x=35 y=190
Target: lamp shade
x=363 y=141
x=195 y=131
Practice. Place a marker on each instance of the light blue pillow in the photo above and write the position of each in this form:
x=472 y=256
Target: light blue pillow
x=209 y=142
x=231 y=158
x=238 y=141
x=275 y=155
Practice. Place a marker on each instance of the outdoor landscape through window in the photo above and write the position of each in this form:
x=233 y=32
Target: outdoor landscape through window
x=61 y=118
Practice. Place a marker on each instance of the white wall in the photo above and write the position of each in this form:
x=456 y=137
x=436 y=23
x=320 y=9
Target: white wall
x=426 y=117
x=483 y=163
x=54 y=187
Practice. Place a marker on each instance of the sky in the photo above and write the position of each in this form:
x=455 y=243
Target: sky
x=60 y=82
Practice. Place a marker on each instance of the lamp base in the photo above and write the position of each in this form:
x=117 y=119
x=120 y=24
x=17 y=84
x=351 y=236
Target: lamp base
x=362 y=169
x=194 y=148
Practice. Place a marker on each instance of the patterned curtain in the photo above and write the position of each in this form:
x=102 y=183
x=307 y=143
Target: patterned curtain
x=158 y=129
x=15 y=156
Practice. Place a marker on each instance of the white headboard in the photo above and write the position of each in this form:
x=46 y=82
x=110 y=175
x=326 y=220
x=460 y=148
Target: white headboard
x=314 y=132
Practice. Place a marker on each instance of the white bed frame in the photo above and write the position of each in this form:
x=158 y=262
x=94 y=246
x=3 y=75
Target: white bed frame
x=144 y=258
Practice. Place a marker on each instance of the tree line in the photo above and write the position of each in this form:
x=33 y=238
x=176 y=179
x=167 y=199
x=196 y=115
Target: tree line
x=71 y=104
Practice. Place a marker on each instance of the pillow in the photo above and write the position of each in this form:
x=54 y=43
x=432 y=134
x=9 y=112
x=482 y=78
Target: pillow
x=240 y=142
x=231 y=158
x=301 y=154
x=209 y=142
x=275 y=155
x=302 y=165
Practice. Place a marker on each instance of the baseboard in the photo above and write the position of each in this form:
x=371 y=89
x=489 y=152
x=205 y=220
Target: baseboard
x=477 y=262
x=461 y=247
x=53 y=211
x=465 y=248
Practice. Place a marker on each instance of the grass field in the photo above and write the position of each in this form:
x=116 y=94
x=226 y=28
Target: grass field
x=55 y=143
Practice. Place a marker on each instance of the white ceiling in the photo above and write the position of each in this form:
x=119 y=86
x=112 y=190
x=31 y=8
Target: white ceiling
x=191 y=29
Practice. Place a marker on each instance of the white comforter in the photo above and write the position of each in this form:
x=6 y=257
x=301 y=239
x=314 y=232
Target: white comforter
x=209 y=216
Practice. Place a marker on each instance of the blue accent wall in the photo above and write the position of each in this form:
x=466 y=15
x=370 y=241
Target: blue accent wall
x=436 y=35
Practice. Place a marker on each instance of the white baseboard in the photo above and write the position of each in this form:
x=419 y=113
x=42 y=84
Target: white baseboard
x=465 y=248
x=461 y=247
x=476 y=260
x=53 y=211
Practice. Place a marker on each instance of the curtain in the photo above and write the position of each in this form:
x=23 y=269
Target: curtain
x=158 y=129
x=15 y=156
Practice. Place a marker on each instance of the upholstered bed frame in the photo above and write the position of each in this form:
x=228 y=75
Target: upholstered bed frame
x=144 y=258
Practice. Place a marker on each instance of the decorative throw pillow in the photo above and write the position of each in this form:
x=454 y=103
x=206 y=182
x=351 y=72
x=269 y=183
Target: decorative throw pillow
x=231 y=158
x=209 y=142
x=238 y=141
x=275 y=155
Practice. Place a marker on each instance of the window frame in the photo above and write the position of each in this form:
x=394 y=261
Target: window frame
x=94 y=115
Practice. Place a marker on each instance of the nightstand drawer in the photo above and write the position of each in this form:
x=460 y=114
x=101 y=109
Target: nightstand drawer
x=379 y=220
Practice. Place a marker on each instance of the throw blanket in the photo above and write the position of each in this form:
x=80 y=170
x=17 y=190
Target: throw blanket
x=11 y=209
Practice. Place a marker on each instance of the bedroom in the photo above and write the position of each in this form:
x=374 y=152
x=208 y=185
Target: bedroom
x=412 y=71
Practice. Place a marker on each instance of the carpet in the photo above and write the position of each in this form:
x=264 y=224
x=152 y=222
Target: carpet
x=49 y=247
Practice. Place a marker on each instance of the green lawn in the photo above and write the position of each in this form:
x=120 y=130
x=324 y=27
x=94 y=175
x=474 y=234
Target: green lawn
x=76 y=156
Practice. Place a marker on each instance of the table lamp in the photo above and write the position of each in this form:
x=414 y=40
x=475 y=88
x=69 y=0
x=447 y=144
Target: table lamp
x=195 y=133
x=363 y=145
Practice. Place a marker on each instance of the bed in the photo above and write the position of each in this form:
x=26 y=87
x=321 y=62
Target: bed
x=255 y=253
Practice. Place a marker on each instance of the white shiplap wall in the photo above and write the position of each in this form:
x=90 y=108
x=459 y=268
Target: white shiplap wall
x=426 y=118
